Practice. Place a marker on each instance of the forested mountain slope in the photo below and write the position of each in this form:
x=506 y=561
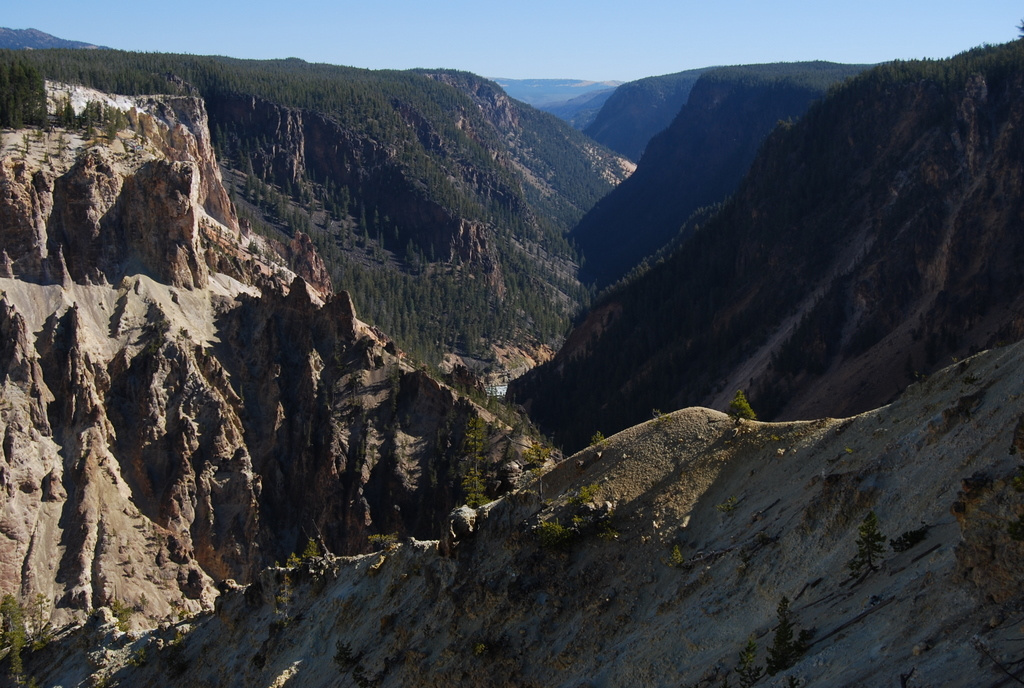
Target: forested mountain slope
x=697 y=161
x=419 y=188
x=581 y=110
x=638 y=110
x=870 y=242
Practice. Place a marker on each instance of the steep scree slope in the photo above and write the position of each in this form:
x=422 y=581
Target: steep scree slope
x=683 y=535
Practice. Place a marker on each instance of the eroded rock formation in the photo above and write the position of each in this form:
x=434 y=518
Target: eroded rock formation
x=178 y=409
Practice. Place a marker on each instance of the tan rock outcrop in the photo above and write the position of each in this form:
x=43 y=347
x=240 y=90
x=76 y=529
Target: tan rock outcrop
x=82 y=226
x=161 y=439
x=185 y=137
x=303 y=258
x=160 y=217
x=55 y=214
x=27 y=199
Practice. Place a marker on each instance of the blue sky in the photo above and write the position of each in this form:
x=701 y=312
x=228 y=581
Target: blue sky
x=596 y=39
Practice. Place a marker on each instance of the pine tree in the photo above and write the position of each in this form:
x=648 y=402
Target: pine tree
x=13 y=633
x=785 y=651
x=870 y=546
x=473 y=485
x=748 y=672
x=312 y=550
x=41 y=629
x=739 y=407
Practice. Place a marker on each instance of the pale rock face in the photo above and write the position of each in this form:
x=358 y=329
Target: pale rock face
x=80 y=228
x=27 y=201
x=91 y=515
x=29 y=453
x=71 y=532
x=160 y=219
x=144 y=492
x=52 y=215
x=187 y=138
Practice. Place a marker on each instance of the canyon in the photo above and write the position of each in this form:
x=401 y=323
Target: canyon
x=179 y=407
x=215 y=472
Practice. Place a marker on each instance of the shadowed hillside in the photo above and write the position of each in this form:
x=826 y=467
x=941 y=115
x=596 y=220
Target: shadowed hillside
x=640 y=109
x=655 y=559
x=871 y=241
x=697 y=161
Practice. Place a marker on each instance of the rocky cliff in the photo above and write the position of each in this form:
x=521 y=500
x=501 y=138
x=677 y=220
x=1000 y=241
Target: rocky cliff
x=178 y=407
x=143 y=201
x=653 y=559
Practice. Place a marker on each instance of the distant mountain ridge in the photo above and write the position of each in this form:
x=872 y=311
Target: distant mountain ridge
x=581 y=110
x=33 y=39
x=640 y=109
x=543 y=93
x=698 y=160
x=572 y=100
